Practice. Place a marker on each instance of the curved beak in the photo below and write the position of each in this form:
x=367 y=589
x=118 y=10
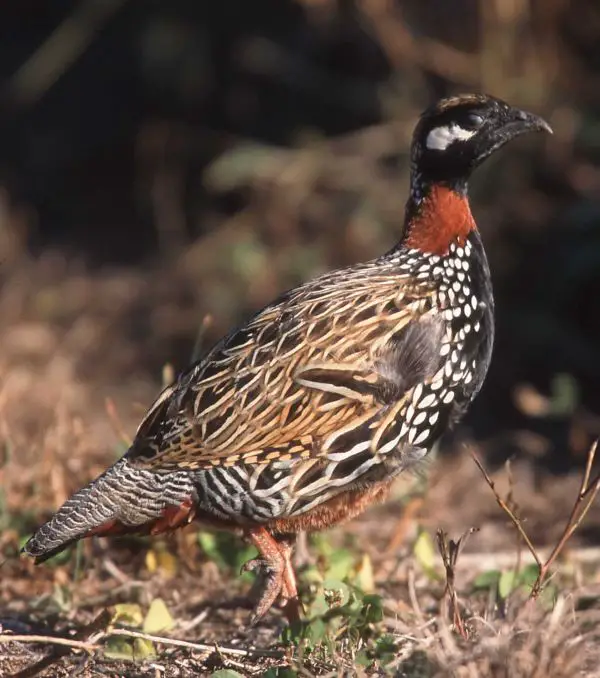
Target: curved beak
x=520 y=122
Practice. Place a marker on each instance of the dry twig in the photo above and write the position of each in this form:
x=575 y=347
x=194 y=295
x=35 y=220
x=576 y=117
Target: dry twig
x=449 y=550
x=585 y=498
x=115 y=420
x=100 y=631
x=202 y=647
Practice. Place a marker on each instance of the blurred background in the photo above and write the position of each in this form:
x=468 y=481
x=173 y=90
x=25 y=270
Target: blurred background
x=165 y=163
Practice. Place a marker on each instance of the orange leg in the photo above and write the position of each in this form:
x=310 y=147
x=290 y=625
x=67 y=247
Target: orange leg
x=274 y=562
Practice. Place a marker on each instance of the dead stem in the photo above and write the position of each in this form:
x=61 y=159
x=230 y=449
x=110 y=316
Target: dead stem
x=115 y=420
x=509 y=512
x=450 y=550
x=585 y=498
x=128 y=633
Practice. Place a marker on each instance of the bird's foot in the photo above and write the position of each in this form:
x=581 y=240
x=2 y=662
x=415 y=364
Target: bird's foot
x=275 y=567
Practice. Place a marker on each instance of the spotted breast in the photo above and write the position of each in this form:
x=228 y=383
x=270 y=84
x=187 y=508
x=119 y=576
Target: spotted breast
x=302 y=417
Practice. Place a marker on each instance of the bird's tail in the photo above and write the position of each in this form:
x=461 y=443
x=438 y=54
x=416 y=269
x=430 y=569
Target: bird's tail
x=123 y=499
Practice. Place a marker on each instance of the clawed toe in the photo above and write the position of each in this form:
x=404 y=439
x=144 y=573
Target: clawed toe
x=274 y=566
x=255 y=565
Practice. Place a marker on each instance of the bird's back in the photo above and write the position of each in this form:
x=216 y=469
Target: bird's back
x=303 y=416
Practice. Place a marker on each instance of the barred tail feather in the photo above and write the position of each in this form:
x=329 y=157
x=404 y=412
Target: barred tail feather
x=123 y=499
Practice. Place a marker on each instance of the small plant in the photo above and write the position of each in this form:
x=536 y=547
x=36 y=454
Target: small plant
x=588 y=490
x=157 y=619
x=343 y=620
x=505 y=583
x=226 y=551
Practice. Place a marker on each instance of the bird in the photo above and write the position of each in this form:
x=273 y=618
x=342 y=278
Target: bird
x=302 y=417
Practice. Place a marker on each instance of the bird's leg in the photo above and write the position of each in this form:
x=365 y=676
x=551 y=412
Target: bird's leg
x=289 y=591
x=280 y=581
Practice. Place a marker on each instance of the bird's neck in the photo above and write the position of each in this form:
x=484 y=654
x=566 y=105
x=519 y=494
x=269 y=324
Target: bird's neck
x=437 y=215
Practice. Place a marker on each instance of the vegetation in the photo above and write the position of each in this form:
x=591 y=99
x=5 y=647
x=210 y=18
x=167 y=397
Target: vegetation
x=161 y=164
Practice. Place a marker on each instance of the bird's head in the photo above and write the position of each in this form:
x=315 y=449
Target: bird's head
x=457 y=134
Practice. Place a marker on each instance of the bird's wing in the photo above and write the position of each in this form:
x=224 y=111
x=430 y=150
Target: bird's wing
x=304 y=371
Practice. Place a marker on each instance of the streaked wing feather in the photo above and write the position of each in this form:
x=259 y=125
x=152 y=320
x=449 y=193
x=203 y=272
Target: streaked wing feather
x=301 y=371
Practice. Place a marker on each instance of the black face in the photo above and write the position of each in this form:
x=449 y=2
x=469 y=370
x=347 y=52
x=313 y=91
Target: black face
x=455 y=135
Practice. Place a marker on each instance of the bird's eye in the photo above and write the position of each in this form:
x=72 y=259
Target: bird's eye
x=474 y=121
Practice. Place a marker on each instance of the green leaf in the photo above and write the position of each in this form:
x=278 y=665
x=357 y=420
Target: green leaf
x=365 y=578
x=226 y=673
x=225 y=549
x=241 y=165
x=529 y=574
x=386 y=647
x=372 y=609
x=129 y=649
x=340 y=565
x=118 y=648
x=129 y=614
x=143 y=649
x=292 y=634
x=60 y=558
x=362 y=659
x=316 y=631
x=158 y=617
x=506 y=583
x=319 y=606
x=208 y=542
x=487 y=580
x=321 y=544
x=311 y=575
x=425 y=553
x=565 y=394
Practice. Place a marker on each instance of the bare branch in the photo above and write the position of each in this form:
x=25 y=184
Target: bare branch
x=509 y=512
x=585 y=498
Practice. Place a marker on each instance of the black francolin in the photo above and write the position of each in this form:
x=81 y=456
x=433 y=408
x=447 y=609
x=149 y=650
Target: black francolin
x=303 y=416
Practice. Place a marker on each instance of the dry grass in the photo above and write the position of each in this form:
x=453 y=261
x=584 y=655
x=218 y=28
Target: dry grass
x=56 y=372
x=81 y=357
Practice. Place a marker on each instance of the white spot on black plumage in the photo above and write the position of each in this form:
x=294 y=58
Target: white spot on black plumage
x=418 y=392
x=419 y=419
x=437 y=384
x=422 y=437
x=427 y=401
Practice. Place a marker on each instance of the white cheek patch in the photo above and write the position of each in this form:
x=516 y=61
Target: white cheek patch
x=441 y=137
